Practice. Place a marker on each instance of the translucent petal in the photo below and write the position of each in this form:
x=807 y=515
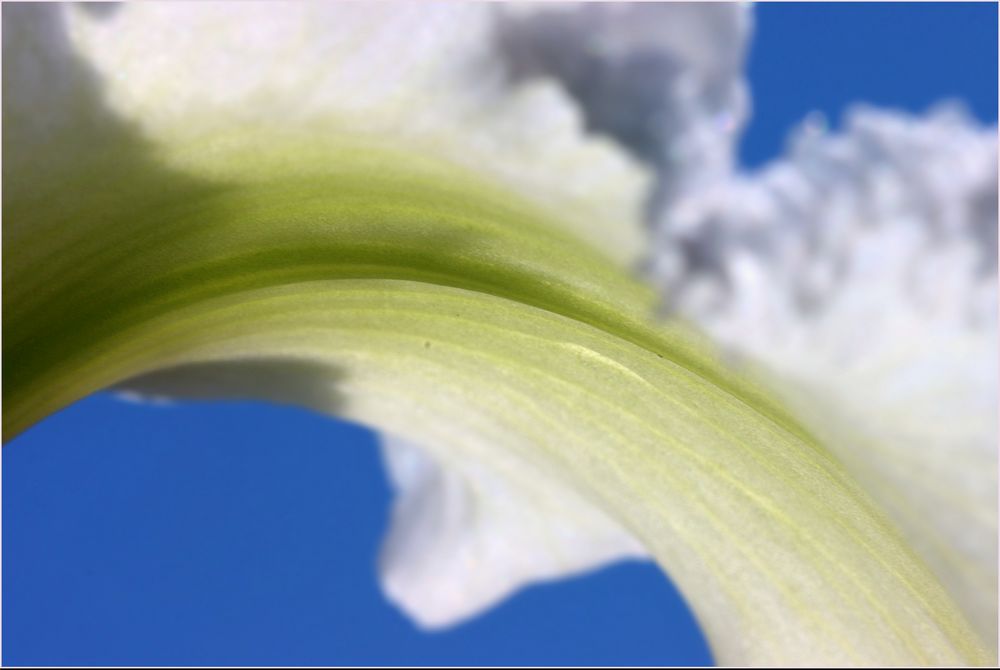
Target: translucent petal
x=861 y=271
x=403 y=256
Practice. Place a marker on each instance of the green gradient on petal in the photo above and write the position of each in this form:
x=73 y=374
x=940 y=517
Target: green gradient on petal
x=442 y=307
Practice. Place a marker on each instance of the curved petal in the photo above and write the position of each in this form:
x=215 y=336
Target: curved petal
x=425 y=76
x=442 y=302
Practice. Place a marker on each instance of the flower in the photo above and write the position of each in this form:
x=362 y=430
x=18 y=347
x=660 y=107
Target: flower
x=422 y=218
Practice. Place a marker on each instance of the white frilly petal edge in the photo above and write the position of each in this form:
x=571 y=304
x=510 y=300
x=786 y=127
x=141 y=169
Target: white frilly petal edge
x=425 y=74
x=860 y=271
x=467 y=533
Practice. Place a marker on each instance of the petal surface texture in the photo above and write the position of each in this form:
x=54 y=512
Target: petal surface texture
x=371 y=210
x=424 y=75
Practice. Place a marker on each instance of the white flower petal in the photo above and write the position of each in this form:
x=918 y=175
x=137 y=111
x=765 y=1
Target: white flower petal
x=861 y=271
x=202 y=229
x=424 y=74
x=469 y=532
x=664 y=79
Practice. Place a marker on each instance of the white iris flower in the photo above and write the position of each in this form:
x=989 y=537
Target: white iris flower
x=427 y=218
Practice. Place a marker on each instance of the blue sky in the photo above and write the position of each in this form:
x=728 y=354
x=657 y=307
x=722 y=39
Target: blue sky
x=234 y=533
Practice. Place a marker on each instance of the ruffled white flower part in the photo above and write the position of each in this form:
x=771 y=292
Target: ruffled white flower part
x=427 y=74
x=860 y=270
x=468 y=532
x=475 y=84
x=485 y=88
x=665 y=80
